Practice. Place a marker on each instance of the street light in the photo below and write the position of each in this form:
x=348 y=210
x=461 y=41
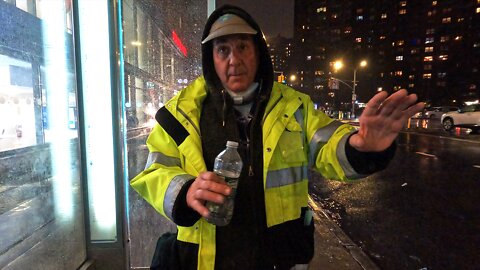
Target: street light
x=338 y=65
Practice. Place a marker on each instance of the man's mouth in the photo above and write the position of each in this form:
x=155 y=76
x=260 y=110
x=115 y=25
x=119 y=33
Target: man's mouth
x=236 y=74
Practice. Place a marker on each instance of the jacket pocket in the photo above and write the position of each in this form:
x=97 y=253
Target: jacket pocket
x=291 y=143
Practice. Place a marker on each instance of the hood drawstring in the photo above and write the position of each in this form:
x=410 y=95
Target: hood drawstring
x=224 y=109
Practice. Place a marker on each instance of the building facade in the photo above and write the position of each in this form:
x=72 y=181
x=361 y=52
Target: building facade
x=431 y=48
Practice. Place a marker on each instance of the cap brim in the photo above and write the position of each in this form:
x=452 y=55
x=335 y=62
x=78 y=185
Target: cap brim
x=230 y=30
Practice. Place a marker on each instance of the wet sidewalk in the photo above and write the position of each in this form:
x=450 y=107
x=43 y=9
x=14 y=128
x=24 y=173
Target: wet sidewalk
x=334 y=250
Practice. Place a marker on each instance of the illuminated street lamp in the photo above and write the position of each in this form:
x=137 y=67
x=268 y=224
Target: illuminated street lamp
x=338 y=65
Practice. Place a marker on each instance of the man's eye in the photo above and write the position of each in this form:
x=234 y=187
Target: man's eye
x=222 y=50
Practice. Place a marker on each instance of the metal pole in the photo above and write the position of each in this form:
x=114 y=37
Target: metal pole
x=353 y=91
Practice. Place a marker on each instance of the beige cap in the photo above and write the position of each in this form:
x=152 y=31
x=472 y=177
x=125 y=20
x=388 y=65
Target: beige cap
x=229 y=24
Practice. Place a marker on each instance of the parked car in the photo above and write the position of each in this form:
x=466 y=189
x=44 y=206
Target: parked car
x=468 y=117
x=437 y=112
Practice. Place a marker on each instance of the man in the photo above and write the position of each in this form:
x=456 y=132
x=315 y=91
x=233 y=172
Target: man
x=280 y=134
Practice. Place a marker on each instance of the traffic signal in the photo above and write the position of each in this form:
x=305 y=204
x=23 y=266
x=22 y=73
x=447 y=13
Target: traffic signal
x=281 y=78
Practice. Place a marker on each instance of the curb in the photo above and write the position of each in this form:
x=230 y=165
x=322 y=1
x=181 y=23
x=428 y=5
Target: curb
x=350 y=247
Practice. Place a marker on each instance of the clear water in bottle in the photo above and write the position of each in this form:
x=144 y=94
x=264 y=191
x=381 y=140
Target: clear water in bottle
x=228 y=164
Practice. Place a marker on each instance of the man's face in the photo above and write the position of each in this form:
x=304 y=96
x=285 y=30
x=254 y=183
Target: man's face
x=236 y=61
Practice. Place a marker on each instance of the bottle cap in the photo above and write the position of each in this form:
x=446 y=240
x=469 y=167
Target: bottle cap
x=232 y=144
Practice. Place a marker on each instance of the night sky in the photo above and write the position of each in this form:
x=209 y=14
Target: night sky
x=274 y=16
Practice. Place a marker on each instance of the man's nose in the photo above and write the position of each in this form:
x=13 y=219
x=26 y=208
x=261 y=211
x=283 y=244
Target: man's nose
x=234 y=58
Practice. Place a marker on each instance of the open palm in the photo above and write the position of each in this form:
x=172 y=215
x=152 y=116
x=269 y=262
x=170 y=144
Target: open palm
x=382 y=120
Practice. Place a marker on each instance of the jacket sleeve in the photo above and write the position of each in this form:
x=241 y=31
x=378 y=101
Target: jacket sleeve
x=366 y=163
x=164 y=182
x=329 y=150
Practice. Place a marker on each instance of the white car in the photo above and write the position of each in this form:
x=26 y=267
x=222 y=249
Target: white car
x=468 y=117
x=437 y=112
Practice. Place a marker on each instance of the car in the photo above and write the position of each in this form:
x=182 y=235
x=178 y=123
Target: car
x=437 y=112
x=468 y=117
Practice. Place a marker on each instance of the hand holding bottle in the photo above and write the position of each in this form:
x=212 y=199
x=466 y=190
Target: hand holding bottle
x=207 y=187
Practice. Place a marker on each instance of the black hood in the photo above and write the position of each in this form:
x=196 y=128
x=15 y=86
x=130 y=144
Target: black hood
x=264 y=74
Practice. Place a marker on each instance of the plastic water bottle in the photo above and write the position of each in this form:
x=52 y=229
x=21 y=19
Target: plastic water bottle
x=228 y=164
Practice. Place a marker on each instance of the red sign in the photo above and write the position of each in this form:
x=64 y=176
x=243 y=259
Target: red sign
x=179 y=43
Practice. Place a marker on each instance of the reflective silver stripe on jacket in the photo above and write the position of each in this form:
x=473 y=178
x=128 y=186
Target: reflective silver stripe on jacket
x=157 y=157
x=172 y=192
x=321 y=137
x=342 y=158
x=299 y=117
x=286 y=176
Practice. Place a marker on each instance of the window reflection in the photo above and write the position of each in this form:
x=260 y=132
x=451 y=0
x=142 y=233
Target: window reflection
x=161 y=48
x=41 y=206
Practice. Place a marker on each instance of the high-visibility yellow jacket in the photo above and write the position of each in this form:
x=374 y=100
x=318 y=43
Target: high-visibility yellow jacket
x=295 y=137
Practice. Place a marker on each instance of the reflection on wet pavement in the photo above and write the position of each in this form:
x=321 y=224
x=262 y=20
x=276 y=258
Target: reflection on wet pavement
x=434 y=126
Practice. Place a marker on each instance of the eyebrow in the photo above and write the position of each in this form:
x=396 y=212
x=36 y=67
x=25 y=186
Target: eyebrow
x=224 y=39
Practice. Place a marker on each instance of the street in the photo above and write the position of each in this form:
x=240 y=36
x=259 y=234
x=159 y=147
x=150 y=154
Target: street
x=422 y=212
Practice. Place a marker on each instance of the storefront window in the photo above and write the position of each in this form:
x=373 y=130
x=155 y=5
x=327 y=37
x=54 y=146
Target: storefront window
x=41 y=201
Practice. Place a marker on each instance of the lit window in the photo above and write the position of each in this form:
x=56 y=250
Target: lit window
x=411 y=77
x=336 y=31
x=399 y=58
x=476 y=45
x=414 y=51
x=382 y=37
x=384 y=15
x=458 y=38
x=443 y=57
x=358 y=40
x=411 y=85
x=428 y=58
x=447 y=10
x=442 y=84
x=360 y=18
x=398 y=73
x=427 y=75
x=441 y=74
x=462 y=19
x=403 y=3
x=309 y=57
x=428 y=49
x=334 y=15
x=303 y=40
x=303 y=26
x=444 y=38
x=321 y=9
x=429 y=40
x=434 y=3
x=402 y=11
x=400 y=42
x=447 y=20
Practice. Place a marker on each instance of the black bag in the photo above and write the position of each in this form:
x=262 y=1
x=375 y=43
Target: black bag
x=165 y=256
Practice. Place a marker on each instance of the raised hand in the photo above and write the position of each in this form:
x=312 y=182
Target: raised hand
x=382 y=120
x=207 y=187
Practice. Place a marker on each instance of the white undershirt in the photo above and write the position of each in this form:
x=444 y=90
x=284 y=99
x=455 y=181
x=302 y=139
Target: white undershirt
x=244 y=109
